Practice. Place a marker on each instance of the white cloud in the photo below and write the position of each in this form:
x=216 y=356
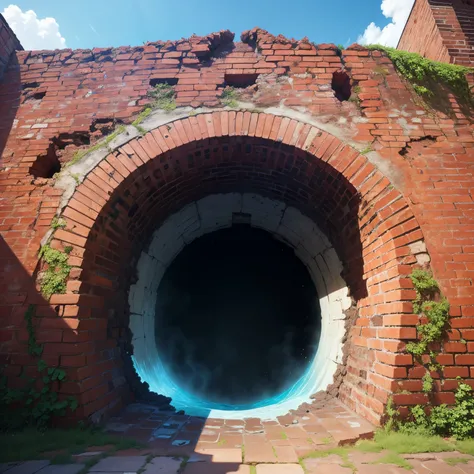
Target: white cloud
x=34 y=32
x=398 y=11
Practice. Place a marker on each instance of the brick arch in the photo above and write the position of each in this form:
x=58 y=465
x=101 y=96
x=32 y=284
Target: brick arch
x=110 y=215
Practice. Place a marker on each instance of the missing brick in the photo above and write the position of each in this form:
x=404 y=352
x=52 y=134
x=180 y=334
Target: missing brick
x=170 y=81
x=240 y=81
x=47 y=164
x=341 y=85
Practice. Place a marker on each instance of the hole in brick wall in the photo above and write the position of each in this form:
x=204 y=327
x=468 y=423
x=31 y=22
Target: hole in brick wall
x=171 y=81
x=39 y=95
x=47 y=164
x=74 y=138
x=240 y=80
x=30 y=85
x=341 y=85
x=105 y=125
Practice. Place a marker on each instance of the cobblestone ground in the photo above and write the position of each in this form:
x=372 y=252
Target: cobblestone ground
x=190 y=445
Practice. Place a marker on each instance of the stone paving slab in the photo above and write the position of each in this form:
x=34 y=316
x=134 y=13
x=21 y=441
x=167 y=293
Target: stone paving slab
x=163 y=465
x=119 y=464
x=6 y=466
x=279 y=469
x=28 y=467
x=220 y=455
x=62 y=469
x=205 y=468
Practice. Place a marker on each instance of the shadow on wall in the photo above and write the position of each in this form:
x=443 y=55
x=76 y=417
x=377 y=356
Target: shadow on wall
x=10 y=93
x=64 y=344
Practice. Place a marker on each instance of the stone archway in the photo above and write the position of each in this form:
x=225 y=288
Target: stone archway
x=111 y=217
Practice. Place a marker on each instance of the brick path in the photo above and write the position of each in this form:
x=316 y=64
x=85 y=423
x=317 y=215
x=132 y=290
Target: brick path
x=229 y=461
x=190 y=445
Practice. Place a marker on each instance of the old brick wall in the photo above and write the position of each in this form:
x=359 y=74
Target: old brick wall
x=441 y=30
x=8 y=44
x=411 y=187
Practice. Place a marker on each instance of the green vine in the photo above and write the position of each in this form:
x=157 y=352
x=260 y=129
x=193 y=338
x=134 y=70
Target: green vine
x=36 y=403
x=457 y=420
x=54 y=278
x=436 y=313
x=420 y=71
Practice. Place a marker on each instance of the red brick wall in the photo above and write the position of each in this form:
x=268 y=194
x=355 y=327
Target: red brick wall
x=415 y=185
x=441 y=30
x=8 y=44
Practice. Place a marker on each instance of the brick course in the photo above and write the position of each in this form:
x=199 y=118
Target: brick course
x=441 y=30
x=380 y=209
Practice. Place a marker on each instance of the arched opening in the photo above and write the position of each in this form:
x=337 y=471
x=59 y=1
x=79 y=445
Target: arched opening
x=337 y=214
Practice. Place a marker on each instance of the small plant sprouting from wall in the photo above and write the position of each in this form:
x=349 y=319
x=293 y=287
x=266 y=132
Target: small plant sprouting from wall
x=37 y=402
x=163 y=96
x=229 y=97
x=54 y=278
x=99 y=145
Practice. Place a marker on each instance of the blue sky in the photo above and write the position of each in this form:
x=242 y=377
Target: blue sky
x=88 y=23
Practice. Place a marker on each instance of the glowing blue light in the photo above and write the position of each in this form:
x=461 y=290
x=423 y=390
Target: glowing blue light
x=153 y=371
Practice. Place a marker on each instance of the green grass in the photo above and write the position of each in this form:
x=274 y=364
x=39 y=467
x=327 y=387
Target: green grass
x=366 y=150
x=104 y=143
x=393 y=458
x=466 y=446
x=454 y=461
x=253 y=470
x=31 y=444
x=401 y=443
x=343 y=453
x=283 y=435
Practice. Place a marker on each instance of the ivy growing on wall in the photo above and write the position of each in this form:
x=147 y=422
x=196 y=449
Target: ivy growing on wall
x=36 y=402
x=457 y=420
x=435 y=312
x=420 y=71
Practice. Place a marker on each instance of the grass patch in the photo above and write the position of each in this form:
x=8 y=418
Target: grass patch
x=283 y=435
x=343 y=453
x=401 y=443
x=31 y=443
x=102 y=144
x=163 y=96
x=141 y=117
x=454 y=461
x=367 y=149
x=393 y=458
x=465 y=446
x=229 y=97
x=253 y=469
